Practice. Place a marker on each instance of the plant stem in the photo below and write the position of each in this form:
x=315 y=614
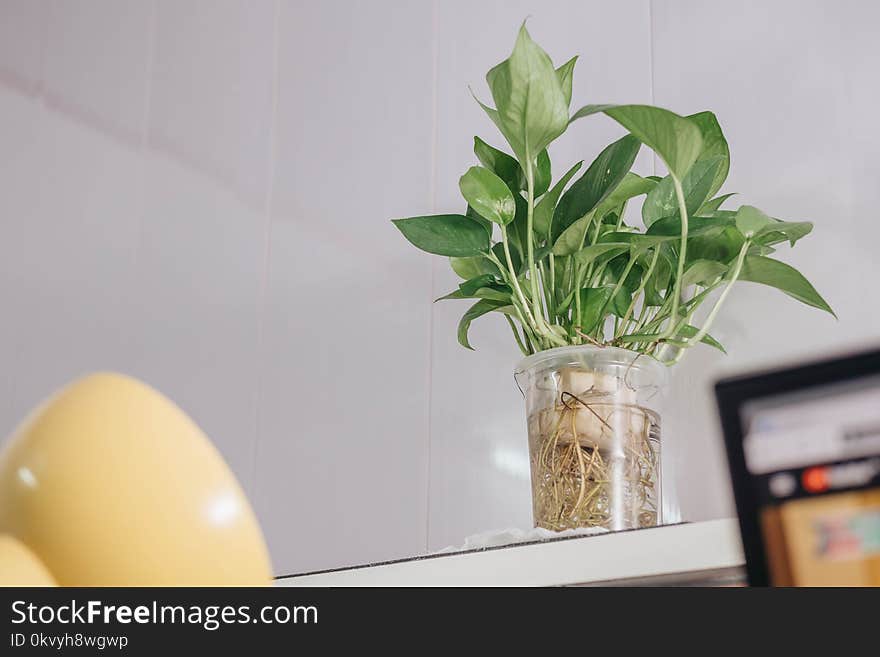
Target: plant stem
x=513 y=279
x=530 y=243
x=682 y=254
x=720 y=301
x=519 y=341
x=632 y=304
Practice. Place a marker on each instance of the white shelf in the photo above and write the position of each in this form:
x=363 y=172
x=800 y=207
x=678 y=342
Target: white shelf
x=685 y=553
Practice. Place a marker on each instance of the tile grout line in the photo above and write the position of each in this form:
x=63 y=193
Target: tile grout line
x=435 y=51
x=651 y=69
x=267 y=250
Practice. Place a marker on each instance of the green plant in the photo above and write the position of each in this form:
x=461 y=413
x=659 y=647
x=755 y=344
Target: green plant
x=568 y=269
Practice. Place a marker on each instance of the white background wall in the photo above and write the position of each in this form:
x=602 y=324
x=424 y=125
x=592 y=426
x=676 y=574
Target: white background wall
x=198 y=193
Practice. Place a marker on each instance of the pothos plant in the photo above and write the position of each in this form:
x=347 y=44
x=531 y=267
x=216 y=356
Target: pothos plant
x=560 y=262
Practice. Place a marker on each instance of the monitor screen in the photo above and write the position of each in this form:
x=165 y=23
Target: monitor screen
x=805 y=460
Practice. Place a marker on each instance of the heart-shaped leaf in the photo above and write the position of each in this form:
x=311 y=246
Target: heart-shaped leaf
x=676 y=139
x=472 y=267
x=714 y=146
x=721 y=246
x=488 y=195
x=531 y=108
x=750 y=220
x=662 y=201
x=782 y=231
x=470 y=213
x=593 y=303
x=479 y=309
x=600 y=179
x=589 y=253
x=544 y=209
x=714 y=204
x=543 y=174
x=500 y=163
x=703 y=271
x=445 y=234
x=565 y=73
x=759 y=269
x=686 y=332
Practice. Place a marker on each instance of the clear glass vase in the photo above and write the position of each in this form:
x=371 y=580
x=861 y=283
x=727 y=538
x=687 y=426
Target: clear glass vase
x=594 y=436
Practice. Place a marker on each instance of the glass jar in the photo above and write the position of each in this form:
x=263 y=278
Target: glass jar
x=593 y=418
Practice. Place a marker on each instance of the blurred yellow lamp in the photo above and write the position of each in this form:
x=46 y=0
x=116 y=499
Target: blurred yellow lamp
x=110 y=484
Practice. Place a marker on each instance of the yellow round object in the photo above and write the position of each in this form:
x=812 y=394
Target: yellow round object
x=21 y=567
x=111 y=484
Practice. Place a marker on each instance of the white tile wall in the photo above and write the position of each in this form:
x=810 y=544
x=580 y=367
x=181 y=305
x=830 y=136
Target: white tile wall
x=794 y=85
x=198 y=193
x=97 y=61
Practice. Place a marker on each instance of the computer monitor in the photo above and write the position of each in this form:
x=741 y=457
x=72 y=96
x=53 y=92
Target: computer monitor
x=803 y=446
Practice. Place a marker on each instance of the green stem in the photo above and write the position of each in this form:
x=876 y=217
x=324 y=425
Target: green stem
x=632 y=304
x=682 y=254
x=720 y=301
x=620 y=281
x=530 y=244
x=519 y=341
x=513 y=279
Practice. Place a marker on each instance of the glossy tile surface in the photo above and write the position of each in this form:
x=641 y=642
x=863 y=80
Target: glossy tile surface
x=96 y=62
x=212 y=89
x=793 y=84
x=341 y=473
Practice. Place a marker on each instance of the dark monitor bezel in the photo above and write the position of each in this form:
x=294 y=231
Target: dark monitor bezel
x=732 y=393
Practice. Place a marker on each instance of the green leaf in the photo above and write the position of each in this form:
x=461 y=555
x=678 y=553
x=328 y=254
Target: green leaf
x=498 y=250
x=685 y=333
x=758 y=269
x=593 y=302
x=470 y=286
x=722 y=246
x=761 y=249
x=615 y=269
x=688 y=332
x=479 y=309
x=468 y=268
x=662 y=201
x=750 y=220
x=703 y=271
x=600 y=179
x=589 y=253
x=543 y=215
x=674 y=138
x=470 y=213
x=696 y=226
x=500 y=163
x=565 y=73
x=659 y=280
x=531 y=107
x=445 y=234
x=714 y=204
x=518 y=230
x=572 y=238
x=631 y=186
x=781 y=231
x=492 y=292
x=488 y=195
x=543 y=174
x=714 y=146
x=587 y=110
x=638 y=241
